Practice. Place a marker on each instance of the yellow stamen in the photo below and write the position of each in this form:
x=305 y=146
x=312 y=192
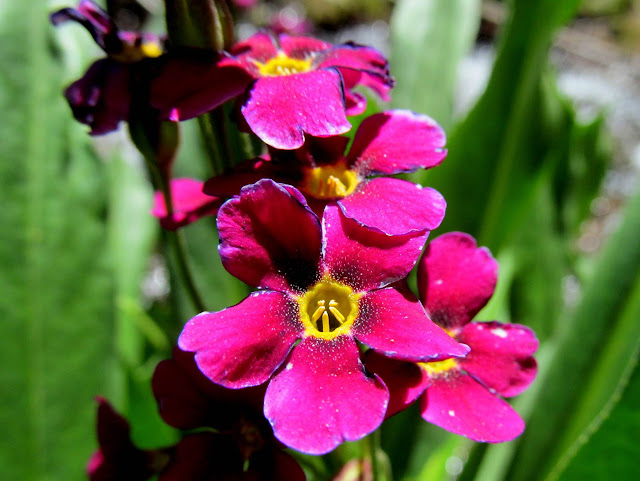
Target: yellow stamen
x=328 y=309
x=330 y=181
x=283 y=65
x=438 y=368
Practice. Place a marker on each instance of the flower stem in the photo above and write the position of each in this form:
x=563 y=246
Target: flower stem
x=372 y=446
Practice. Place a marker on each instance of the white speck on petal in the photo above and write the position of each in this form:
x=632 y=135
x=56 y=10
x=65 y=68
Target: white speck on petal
x=438 y=282
x=289 y=366
x=452 y=413
x=500 y=332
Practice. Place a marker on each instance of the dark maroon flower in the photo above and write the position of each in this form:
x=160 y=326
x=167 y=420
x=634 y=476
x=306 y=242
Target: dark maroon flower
x=189 y=204
x=292 y=86
x=243 y=446
x=117 y=459
x=455 y=280
x=326 y=285
x=393 y=142
x=102 y=97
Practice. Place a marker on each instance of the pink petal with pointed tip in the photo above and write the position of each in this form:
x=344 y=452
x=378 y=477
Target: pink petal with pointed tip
x=280 y=110
x=393 y=321
x=455 y=279
x=397 y=141
x=243 y=345
x=365 y=259
x=189 y=204
x=405 y=380
x=394 y=206
x=269 y=238
x=323 y=396
x=461 y=405
x=501 y=355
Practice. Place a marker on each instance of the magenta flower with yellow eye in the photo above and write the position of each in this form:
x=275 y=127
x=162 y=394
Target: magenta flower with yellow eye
x=324 y=288
x=102 y=98
x=392 y=142
x=292 y=86
x=455 y=280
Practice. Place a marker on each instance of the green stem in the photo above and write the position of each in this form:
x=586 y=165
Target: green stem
x=162 y=178
x=211 y=144
x=372 y=446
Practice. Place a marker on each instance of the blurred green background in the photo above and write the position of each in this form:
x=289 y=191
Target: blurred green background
x=541 y=102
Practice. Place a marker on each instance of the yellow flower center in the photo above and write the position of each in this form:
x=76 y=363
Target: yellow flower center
x=135 y=53
x=283 y=65
x=438 y=368
x=330 y=181
x=328 y=309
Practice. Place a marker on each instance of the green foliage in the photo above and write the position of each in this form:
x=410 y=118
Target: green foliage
x=428 y=40
x=57 y=289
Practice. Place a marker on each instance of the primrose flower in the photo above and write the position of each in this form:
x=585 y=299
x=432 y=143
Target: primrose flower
x=117 y=459
x=102 y=97
x=243 y=439
x=455 y=280
x=327 y=286
x=392 y=142
x=189 y=204
x=292 y=86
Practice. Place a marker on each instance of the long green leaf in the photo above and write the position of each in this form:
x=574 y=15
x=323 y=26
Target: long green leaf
x=428 y=40
x=55 y=283
x=569 y=395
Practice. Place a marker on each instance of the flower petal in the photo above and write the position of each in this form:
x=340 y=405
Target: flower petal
x=394 y=206
x=243 y=345
x=397 y=141
x=455 y=279
x=101 y=98
x=362 y=258
x=188 y=87
x=273 y=464
x=301 y=47
x=501 y=355
x=280 y=110
x=269 y=238
x=188 y=400
x=393 y=321
x=405 y=380
x=324 y=397
x=461 y=405
x=259 y=47
x=189 y=204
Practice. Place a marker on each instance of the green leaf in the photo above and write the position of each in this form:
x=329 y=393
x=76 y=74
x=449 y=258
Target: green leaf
x=428 y=40
x=600 y=330
x=56 y=286
x=496 y=150
x=613 y=451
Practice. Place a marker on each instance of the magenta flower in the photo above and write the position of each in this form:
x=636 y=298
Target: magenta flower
x=102 y=97
x=189 y=204
x=292 y=86
x=393 y=142
x=188 y=400
x=117 y=459
x=327 y=286
x=456 y=279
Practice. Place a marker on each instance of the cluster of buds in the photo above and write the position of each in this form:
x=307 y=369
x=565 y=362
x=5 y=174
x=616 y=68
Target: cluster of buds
x=333 y=341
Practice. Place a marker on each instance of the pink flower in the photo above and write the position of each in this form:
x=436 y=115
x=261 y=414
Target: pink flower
x=455 y=280
x=102 y=97
x=188 y=400
x=327 y=286
x=189 y=204
x=117 y=459
x=292 y=86
x=393 y=142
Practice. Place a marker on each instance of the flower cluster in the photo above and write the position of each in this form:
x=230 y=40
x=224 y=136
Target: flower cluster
x=333 y=341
